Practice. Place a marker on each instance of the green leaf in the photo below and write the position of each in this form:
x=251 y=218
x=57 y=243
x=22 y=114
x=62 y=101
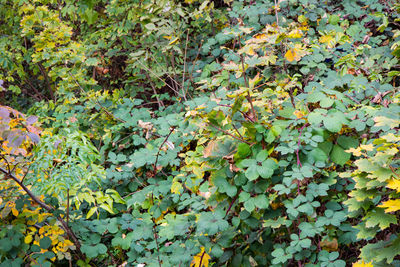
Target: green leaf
x=231 y=190
x=316 y=97
x=92 y=61
x=244 y=196
x=347 y=142
x=217 y=251
x=332 y=123
x=378 y=217
x=326 y=102
x=252 y=173
x=261 y=201
x=243 y=150
x=306 y=171
x=266 y=170
x=277 y=223
x=45 y=242
x=315 y=118
x=112 y=227
x=339 y=156
x=334 y=19
x=262 y=155
x=326 y=147
x=318 y=155
x=249 y=205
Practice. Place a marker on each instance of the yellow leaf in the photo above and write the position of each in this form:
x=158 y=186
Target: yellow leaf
x=362 y=264
x=299 y=114
x=176 y=187
x=91 y=212
x=248 y=50
x=326 y=39
x=369 y=147
x=41 y=230
x=290 y=55
x=355 y=151
x=296 y=33
x=200 y=259
x=255 y=80
x=14 y=212
x=296 y=53
x=394 y=184
x=391 y=205
x=302 y=19
x=174 y=41
x=28 y=239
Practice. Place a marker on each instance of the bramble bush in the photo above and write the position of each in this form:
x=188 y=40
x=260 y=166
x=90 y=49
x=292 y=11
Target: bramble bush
x=200 y=133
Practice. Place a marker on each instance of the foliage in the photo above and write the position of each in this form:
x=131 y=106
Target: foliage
x=199 y=133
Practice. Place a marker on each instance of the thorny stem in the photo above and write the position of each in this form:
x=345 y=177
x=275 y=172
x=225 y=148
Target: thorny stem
x=298 y=156
x=298 y=145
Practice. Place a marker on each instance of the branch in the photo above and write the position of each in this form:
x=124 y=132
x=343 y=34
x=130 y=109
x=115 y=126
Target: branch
x=68 y=230
x=34 y=198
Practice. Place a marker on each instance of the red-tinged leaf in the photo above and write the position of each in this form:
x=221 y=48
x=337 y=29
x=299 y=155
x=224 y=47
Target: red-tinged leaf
x=4 y=113
x=31 y=120
x=34 y=137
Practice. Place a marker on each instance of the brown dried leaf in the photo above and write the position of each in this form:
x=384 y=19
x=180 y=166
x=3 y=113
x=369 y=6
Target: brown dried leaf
x=210 y=148
x=329 y=245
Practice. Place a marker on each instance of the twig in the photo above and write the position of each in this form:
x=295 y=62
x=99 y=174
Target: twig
x=234 y=127
x=149 y=70
x=184 y=66
x=97 y=101
x=159 y=149
x=233 y=201
x=34 y=198
x=172 y=56
x=201 y=259
x=394 y=171
x=155 y=235
x=160 y=103
x=352 y=98
x=46 y=78
x=225 y=132
x=195 y=61
x=276 y=13
x=169 y=76
x=248 y=97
